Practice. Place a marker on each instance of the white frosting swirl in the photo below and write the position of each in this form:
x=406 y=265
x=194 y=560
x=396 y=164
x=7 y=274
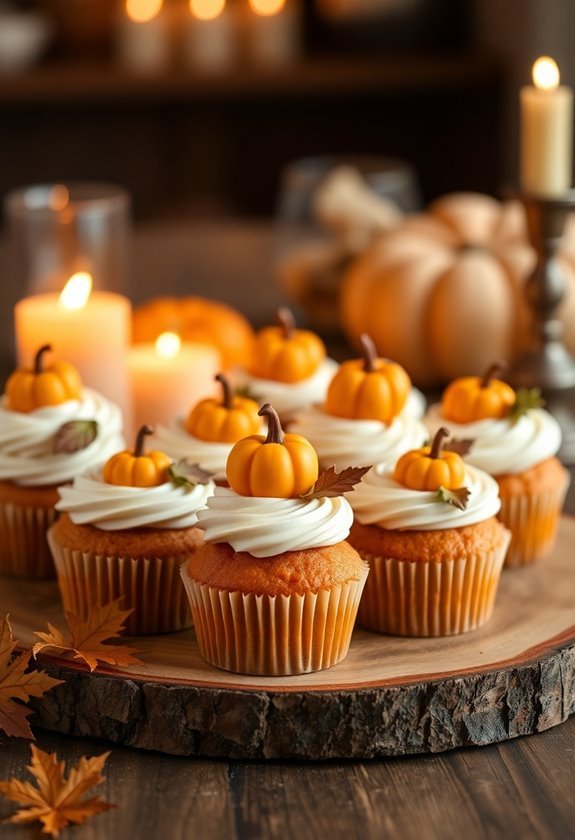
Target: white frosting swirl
x=267 y=526
x=502 y=446
x=26 y=440
x=112 y=507
x=379 y=500
x=355 y=443
x=415 y=405
x=287 y=398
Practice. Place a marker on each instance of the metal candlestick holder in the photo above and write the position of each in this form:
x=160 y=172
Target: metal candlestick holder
x=547 y=363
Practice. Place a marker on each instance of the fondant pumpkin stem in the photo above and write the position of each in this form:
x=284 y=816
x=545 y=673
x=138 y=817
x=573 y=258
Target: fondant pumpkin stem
x=286 y=321
x=143 y=432
x=493 y=369
x=275 y=431
x=438 y=439
x=227 y=389
x=39 y=358
x=368 y=351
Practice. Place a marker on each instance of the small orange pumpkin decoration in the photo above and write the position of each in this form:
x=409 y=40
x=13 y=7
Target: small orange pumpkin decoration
x=197 y=319
x=27 y=390
x=226 y=422
x=279 y=465
x=474 y=398
x=430 y=468
x=285 y=354
x=137 y=468
x=368 y=388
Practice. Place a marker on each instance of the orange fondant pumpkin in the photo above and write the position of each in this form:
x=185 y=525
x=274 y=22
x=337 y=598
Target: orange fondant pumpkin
x=430 y=468
x=472 y=398
x=224 y=422
x=197 y=319
x=44 y=385
x=279 y=465
x=137 y=468
x=284 y=354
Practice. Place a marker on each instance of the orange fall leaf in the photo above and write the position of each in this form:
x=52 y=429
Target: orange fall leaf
x=57 y=801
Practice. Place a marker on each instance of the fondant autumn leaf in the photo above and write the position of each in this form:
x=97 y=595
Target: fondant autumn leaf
x=74 y=436
x=87 y=639
x=331 y=483
x=17 y=685
x=56 y=800
x=462 y=446
x=525 y=399
x=185 y=474
x=458 y=498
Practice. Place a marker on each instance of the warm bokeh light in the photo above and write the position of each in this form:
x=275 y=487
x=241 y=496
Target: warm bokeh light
x=58 y=198
x=141 y=11
x=266 y=8
x=168 y=345
x=545 y=73
x=76 y=292
x=207 y=9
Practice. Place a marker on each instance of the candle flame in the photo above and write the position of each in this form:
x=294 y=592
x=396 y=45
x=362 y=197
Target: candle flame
x=207 y=9
x=168 y=345
x=545 y=73
x=266 y=8
x=76 y=292
x=142 y=11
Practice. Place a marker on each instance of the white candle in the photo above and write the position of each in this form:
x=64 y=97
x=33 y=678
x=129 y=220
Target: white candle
x=143 y=37
x=274 y=31
x=210 y=38
x=89 y=329
x=169 y=377
x=546 y=132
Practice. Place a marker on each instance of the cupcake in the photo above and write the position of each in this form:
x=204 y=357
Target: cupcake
x=206 y=436
x=289 y=368
x=371 y=414
x=51 y=429
x=515 y=440
x=275 y=589
x=429 y=532
x=124 y=533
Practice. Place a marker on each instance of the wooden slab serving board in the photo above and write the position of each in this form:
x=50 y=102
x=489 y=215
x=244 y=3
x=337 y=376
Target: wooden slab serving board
x=391 y=696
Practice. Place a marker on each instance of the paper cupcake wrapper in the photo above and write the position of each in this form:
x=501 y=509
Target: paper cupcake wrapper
x=151 y=586
x=24 y=550
x=440 y=598
x=533 y=522
x=273 y=636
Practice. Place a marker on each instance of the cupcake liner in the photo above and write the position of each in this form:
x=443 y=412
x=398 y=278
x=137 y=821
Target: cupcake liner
x=151 y=586
x=533 y=522
x=273 y=635
x=438 y=598
x=24 y=550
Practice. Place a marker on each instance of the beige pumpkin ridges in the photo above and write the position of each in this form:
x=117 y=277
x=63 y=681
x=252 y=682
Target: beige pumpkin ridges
x=442 y=293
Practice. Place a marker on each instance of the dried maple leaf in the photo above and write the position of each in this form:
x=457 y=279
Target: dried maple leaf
x=331 y=483
x=462 y=446
x=86 y=639
x=57 y=801
x=184 y=473
x=458 y=498
x=525 y=400
x=16 y=684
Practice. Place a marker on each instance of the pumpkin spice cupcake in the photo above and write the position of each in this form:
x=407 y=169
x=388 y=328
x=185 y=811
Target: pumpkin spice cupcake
x=428 y=530
x=370 y=415
x=289 y=367
x=206 y=436
x=124 y=534
x=51 y=429
x=275 y=589
x=515 y=440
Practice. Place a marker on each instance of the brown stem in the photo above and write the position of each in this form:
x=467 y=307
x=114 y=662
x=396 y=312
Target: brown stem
x=227 y=389
x=286 y=321
x=275 y=431
x=143 y=432
x=39 y=358
x=368 y=351
x=438 y=439
x=491 y=371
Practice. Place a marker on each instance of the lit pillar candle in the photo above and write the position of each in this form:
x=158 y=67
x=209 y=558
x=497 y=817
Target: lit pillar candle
x=210 y=42
x=169 y=377
x=89 y=329
x=546 y=132
x=143 y=36
x=274 y=31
